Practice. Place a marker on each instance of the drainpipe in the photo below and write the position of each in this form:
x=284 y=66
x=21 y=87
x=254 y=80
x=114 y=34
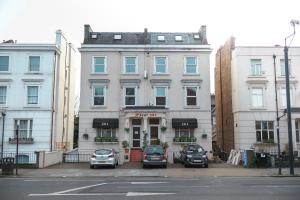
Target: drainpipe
x=2 y=141
x=53 y=98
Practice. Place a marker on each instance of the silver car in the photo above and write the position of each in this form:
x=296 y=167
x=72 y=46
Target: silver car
x=104 y=157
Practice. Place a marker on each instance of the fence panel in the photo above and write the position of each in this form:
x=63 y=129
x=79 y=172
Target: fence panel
x=76 y=157
x=23 y=157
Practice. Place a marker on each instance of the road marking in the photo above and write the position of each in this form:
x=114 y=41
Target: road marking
x=275 y=186
x=79 y=188
x=134 y=194
x=145 y=183
x=62 y=180
x=80 y=194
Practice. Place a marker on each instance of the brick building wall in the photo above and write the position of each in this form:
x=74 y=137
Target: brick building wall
x=223 y=97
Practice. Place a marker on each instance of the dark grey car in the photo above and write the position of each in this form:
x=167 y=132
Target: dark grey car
x=193 y=155
x=154 y=155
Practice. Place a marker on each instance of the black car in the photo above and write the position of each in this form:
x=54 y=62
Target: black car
x=193 y=155
x=154 y=155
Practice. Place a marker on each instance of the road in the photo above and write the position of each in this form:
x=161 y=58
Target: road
x=203 y=188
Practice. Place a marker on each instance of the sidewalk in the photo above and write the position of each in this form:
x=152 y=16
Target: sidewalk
x=135 y=170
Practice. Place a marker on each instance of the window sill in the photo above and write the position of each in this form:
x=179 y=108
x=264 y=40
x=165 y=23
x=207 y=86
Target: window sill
x=3 y=106
x=257 y=76
x=130 y=74
x=180 y=143
x=98 y=107
x=33 y=73
x=3 y=72
x=196 y=74
x=96 y=74
x=191 y=107
x=160 y=74
x=253 y=108
x=106 y=142
x=32 y=106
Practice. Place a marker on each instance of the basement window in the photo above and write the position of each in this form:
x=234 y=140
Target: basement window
x=117 y=37
x=161 y=38
x=178 y=38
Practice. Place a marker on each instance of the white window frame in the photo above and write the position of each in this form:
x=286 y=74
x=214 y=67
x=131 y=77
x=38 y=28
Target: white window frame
x=28 y=129
x=282 y=92
x=297 y=131
x=154 y=65
x=5 y=103
x=113 y=132
x=166 y=95
x=186 y=96
x=105 y=65
x=39 y=64
x=38 y=95
x=256 y=67
x=135 y=95
x=261 y=130
x=9 y=63
x=136 y=65
x=185 y=65
x=282 y=67
x=190 y=131
x=252 y=100
x=93 y=95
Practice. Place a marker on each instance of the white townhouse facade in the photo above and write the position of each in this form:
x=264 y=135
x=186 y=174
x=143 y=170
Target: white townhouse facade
x=253 y=96
x=37 y=93
x=144 y=88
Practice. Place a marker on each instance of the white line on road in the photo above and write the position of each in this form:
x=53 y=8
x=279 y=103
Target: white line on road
x=276 y=186
x=145 y=183
x=128 y=194
x=79 y=188
x=134 y=194
x=62 y=180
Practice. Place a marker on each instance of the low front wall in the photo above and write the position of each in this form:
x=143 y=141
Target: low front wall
x=46 y=159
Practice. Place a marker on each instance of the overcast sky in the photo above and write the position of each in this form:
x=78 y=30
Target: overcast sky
x=252 y=22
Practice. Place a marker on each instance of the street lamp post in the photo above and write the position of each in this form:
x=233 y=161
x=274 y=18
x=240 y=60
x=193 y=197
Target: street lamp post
x=277 y=118
x=288 y=100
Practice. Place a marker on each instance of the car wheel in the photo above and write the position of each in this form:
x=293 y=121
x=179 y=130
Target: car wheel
x=186 y=165
x=165 y=166
x=206 y=166
x=144 y=166
x=91 y=166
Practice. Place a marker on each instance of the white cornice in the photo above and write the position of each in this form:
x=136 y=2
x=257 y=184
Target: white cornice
x=30 y=47
x=98 y=47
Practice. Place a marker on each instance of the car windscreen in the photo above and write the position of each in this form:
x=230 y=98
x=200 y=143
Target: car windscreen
x=154 y=150
x=195 y=149
x=103 y=151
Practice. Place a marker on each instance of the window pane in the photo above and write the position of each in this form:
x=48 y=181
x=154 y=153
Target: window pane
x=160 y=60
x=130 y=64
x=160 y=101
x=130 y=60
x=190 y=69
x=191 y=91
x=297 y=136
x=34 y=63
x=99 y=68
x=271 y=135
x=3 y=90
x=270 y=125
x=191 y=101
x=191 y=61
x=160 y=68
x=32 y=94
x=257 y=97
x=130 y=101
x=99 y=60
x=255 y=67
x=130 y=91
x=258 y=125
x=258 y=136
x=99 y=91
x=98 y=100
x=265 y=135
x=264 y=125
x=4 y=62
x=161 y=91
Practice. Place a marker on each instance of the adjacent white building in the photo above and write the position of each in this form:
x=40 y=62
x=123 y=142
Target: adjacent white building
x=37 y=93
x=251 y=71
x=144 y=88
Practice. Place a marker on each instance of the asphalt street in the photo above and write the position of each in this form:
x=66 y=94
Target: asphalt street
x=202 y=188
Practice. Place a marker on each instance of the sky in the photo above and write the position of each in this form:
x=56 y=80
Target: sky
x=251 y=22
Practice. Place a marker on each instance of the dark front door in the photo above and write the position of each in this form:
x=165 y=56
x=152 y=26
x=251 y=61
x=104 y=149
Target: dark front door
x=153 y=135
x=136 y=136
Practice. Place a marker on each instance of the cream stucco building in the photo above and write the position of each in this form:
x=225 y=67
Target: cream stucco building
x=144 y=88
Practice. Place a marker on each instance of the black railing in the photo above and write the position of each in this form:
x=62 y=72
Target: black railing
x=21 y=140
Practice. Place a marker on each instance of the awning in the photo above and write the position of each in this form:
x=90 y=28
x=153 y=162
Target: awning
x=184 y=123
x=106 y=123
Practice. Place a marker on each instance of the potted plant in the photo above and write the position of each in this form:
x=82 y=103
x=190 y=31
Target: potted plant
x=163 y=129
x=126 y=130
x=165 y=145
x=125 y=145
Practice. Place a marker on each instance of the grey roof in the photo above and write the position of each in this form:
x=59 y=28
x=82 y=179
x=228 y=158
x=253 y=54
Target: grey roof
x=142 y=38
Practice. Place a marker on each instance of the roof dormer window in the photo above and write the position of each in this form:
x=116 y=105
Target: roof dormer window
x=161 y=38
x=178 y=38
x=196 y=37
x=94 y=36
x=117 y=37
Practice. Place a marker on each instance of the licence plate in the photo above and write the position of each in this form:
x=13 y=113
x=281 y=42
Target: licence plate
x=197 y=161
x=155 y=158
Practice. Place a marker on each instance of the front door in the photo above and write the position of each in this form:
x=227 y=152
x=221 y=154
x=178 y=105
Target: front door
x=136 y=136
x=153 y=135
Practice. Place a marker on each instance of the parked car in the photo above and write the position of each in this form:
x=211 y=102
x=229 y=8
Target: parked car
x=154 y=155
x=193 y=155
x=104 y=157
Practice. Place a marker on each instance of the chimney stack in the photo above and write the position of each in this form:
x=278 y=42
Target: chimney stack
x=202 y=33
